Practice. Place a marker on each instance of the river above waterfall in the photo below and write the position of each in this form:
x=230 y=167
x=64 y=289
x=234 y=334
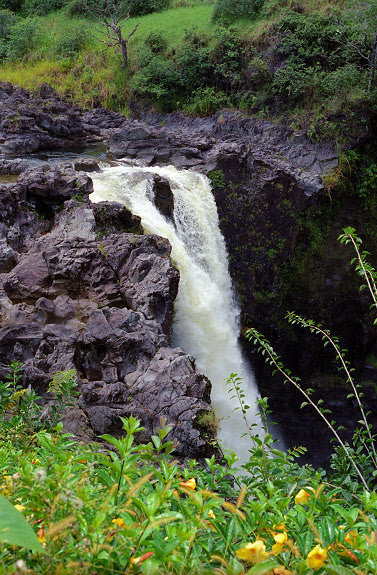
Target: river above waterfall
x=206 y=314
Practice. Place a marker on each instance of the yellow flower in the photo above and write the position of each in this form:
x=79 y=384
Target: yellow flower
x=303 y=496
x=281 y=571
x=20 y=507
x=280 y=527
x=351 y=537
x=5 y=487
x=253 y=552
x=189 y=484
x=211 y=514
x=280 y=541
x=119 y=521
x=316 y=557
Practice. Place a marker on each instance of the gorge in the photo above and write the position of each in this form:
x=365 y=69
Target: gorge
x=65 y=280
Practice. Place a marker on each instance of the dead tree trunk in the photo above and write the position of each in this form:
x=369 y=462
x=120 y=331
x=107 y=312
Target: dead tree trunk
x=112 y=18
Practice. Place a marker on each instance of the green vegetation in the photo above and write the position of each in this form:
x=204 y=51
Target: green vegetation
x=134 y=510
x=314 y=61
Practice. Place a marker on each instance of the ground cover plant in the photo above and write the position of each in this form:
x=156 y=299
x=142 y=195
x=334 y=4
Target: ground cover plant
x=135 y=510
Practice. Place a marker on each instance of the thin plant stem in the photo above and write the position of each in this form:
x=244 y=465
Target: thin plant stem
x=367 y=274
x=326 y=335
x=273 y=360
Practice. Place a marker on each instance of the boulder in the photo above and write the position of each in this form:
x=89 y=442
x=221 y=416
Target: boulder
x=163 y=197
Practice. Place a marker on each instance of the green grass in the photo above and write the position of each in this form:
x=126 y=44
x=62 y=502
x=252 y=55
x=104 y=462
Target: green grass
x=172 y=23
x=94 y=76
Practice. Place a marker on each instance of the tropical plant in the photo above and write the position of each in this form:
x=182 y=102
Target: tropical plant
x=136 y=510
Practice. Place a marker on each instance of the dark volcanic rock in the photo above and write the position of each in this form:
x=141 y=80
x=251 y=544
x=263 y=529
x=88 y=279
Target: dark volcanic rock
x=29 y=122
x=113 y=218
x=204 y=143
x=163 y=197
x=37 y=121
x=103 y=307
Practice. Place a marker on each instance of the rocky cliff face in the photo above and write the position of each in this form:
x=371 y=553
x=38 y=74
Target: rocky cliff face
x=109 y=300
x=281 y=225
x=81 y=287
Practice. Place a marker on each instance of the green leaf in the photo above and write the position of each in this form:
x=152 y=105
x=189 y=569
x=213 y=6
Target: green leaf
x=338 y=570
x=262 y=568
x=15 y=530
x=327 y=530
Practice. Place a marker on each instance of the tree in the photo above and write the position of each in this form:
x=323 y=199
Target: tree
x=361 y=35
x=111 y=16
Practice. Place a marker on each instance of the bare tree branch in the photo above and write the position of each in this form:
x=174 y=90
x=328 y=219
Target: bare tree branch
x=111 y=17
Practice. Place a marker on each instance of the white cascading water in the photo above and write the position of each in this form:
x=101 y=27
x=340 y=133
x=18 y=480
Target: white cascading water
x=206 y=315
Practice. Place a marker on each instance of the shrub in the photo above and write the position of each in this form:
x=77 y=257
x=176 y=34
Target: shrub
x=42 y=7
x=257 y=73
x=294 y=81
x=217 y=179
x=157 y=80
x=81 y=7
x=206 y=101
x=193 y=61
x=22 y=38
x=226 y=11
x=228 y=56
x=308 y=38
x=156 y=42
x=142 y=7
x=7 y=20
x=75 y=38
x=3 y=50
x=342 y=81
x=13 y=5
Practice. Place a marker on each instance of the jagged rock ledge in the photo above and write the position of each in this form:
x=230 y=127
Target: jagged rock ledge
x=31 y=122
x=81 y=287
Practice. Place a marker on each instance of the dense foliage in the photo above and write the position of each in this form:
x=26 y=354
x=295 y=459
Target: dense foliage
x=134 y=509
x=314 y=60
x=227 y=11
x=41 y=7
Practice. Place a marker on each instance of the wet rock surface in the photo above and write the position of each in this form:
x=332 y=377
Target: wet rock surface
x=79 y=289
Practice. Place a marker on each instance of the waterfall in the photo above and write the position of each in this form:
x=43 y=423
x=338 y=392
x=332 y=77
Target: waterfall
x=206 y=315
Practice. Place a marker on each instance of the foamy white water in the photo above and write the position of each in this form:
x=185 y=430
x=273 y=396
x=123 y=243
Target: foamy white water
x=206 y=315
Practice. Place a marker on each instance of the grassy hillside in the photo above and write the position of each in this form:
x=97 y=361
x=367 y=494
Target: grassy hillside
x=305 y=60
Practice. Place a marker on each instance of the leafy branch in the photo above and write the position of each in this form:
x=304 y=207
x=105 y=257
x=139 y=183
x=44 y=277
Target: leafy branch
x=271 y=357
